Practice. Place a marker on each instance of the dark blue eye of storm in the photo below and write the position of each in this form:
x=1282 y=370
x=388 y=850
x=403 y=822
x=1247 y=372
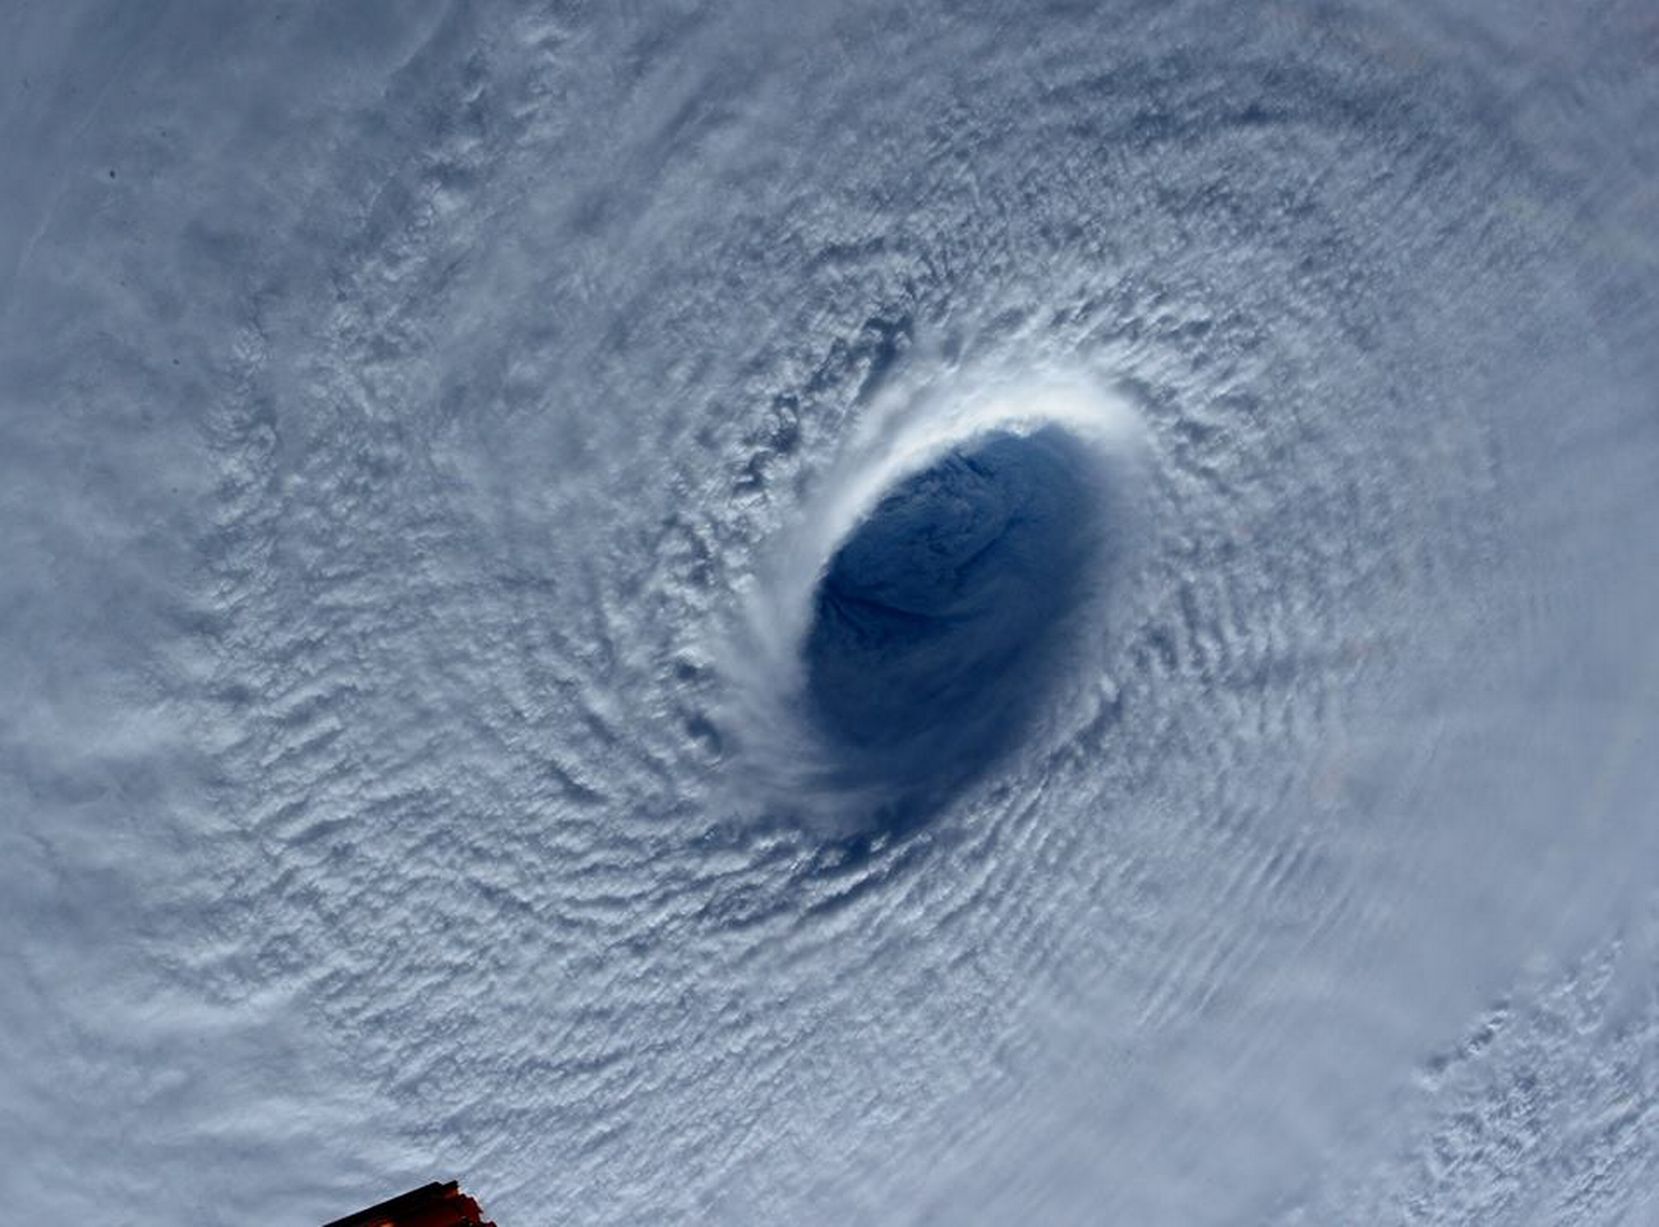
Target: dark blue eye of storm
x=938 y=624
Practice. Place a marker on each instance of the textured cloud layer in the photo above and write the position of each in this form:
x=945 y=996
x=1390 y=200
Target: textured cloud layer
x=433 y=453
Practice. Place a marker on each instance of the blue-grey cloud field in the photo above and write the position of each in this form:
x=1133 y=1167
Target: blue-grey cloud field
x=823 y=613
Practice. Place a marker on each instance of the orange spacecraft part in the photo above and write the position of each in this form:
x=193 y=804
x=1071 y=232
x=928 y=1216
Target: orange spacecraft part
x=434 y=1205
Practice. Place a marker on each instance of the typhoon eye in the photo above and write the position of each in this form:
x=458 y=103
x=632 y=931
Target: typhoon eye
x=940 y=622
x=940 y=604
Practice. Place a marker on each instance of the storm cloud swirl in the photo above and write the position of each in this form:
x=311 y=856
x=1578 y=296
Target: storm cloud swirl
x=830 y=613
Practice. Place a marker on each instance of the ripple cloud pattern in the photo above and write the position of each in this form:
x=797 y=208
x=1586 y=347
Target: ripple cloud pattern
x=836 y=612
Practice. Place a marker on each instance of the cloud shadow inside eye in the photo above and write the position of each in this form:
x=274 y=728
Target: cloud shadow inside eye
x=940 y=623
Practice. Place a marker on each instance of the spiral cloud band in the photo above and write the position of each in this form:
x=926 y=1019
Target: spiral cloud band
x=720 y=611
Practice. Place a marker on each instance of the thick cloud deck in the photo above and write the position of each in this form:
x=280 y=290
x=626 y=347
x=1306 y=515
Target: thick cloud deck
x=938 y=621
x=458 y=672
